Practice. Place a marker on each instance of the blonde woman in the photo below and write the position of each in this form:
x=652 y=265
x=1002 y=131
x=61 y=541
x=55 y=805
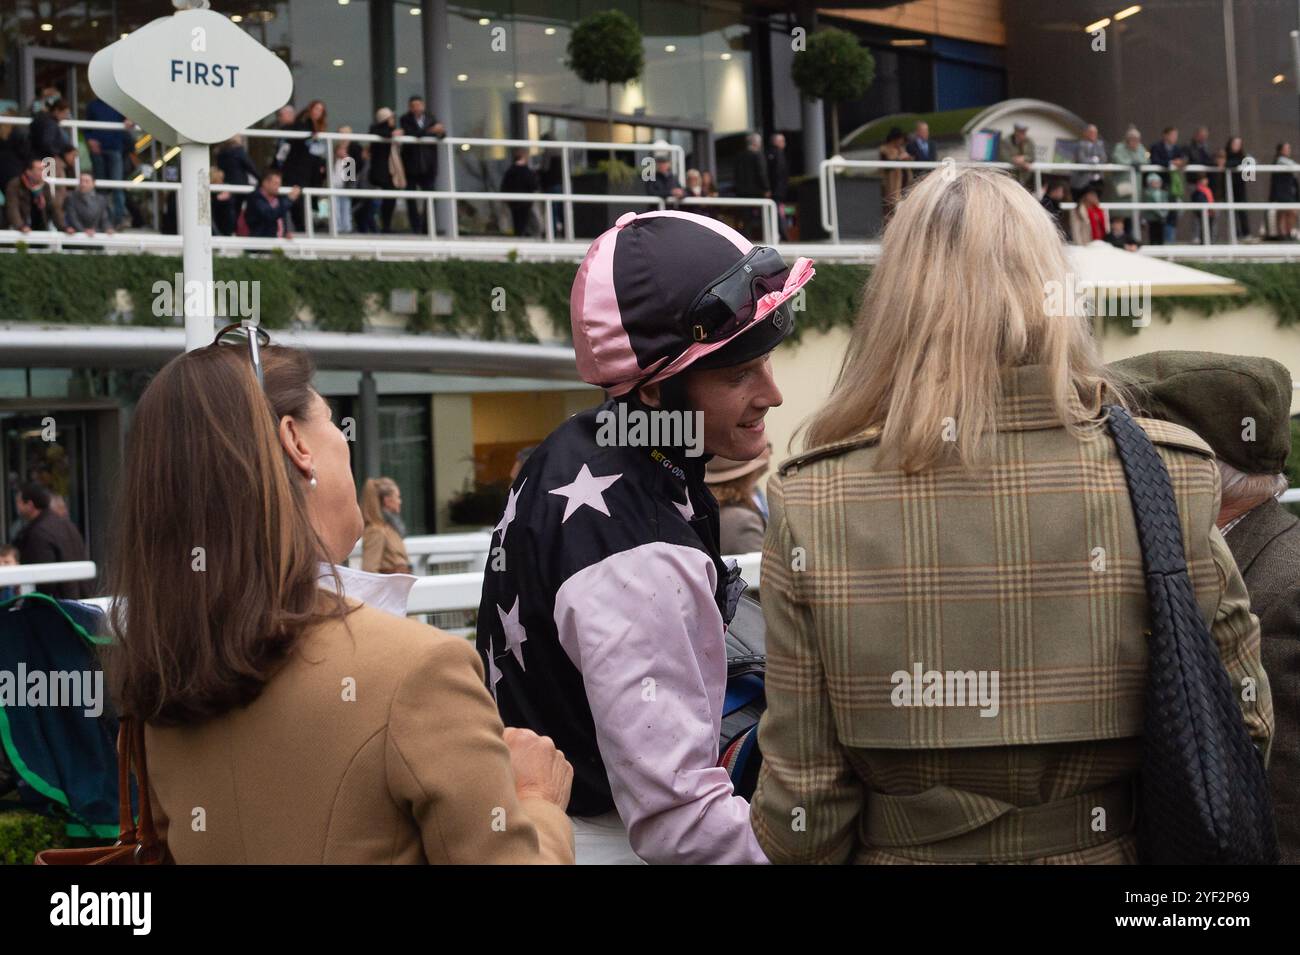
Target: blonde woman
x=383 y=551
x=961 y=516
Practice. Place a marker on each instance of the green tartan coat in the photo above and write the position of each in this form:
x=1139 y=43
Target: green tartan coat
x=957 y=660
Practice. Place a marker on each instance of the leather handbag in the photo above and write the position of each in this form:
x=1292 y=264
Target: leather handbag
x=137 y=843
x=1202 y=793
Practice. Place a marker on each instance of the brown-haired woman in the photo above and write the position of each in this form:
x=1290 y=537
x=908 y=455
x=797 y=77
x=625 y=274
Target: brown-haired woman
x=286 y=722
x=383 y=551
x=305 y=164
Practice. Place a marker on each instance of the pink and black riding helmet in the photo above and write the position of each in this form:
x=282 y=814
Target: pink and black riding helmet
x=665 y=290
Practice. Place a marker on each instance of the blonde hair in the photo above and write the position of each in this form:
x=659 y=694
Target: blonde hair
x=966 y=269
x=372 y=499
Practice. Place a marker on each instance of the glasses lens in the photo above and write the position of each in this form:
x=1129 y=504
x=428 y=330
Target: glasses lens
x=730 y=303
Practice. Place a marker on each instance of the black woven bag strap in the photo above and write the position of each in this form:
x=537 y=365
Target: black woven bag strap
x=1155 y=511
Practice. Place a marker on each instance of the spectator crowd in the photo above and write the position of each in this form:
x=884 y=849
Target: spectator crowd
x=1190 y=172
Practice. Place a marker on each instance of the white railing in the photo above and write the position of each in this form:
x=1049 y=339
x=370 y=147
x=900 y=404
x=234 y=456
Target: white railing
x=26 y=576
x=335 y=190
x=446 y=594
x=830 y=211
x=463 y=591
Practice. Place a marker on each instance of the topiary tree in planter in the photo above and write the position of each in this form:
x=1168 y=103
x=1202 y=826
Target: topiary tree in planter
x=836 y=68
x=606 y=48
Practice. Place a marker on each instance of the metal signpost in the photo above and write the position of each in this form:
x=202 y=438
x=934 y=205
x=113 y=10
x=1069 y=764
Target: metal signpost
x=193 y=79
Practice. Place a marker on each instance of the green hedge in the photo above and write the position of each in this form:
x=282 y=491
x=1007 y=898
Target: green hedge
x=24 y=833
x=80 y=290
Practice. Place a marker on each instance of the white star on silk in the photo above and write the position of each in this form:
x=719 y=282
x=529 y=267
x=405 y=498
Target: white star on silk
x=509 y=515
x=687 y=510
x=585 y=489
x=515 y=633
x=494 y=674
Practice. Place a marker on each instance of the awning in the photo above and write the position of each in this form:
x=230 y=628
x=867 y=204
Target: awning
x=1104 y=267
x=69 y=346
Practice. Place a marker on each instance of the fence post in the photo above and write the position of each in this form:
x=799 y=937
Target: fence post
x=453 y=220
x=331 y=182
x=1232 y=217
x=307 y=217
x=568 y=191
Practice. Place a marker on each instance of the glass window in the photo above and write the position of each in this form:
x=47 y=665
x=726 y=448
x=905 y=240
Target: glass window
x=405 y=455
x=330 y=55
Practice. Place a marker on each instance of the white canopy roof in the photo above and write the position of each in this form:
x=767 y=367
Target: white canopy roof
x=1103 y=266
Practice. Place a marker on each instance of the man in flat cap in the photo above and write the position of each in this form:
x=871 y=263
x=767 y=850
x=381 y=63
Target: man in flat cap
x=1242 y=407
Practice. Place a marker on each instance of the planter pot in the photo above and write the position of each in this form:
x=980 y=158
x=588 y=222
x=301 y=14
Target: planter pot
x=857 y=200
x=590 y=219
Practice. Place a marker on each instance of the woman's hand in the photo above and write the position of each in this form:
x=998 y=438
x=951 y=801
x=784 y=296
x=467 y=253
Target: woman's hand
x=540 y=769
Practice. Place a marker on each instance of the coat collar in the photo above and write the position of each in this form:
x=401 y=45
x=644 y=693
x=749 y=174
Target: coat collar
x=1256 y=530
x=1026 y=403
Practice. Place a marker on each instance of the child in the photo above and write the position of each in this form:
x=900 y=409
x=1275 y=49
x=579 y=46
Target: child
x=8 y=558
x=1154 y=218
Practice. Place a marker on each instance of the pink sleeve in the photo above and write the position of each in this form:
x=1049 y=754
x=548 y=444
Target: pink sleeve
x=643 y=629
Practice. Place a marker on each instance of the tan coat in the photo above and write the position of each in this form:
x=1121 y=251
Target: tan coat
x=383 y=551
x=377 y=746
x=1032 y=572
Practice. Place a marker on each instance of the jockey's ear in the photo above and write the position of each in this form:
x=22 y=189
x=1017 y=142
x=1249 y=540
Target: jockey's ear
x=650 y=395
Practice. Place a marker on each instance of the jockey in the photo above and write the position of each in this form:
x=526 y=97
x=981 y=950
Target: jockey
x=605 y=597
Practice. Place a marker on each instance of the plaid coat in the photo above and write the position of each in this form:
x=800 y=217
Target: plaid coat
x=956 y=661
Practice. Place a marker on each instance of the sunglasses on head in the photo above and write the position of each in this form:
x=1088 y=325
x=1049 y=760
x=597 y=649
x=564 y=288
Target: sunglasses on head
x=729 y=302
x=257 y=338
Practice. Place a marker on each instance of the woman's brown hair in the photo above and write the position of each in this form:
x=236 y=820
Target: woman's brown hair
x=215 y=570
x=317 y=125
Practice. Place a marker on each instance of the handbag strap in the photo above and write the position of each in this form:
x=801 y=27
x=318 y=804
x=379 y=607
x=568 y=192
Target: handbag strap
x=1155 y=512
x=131 y=758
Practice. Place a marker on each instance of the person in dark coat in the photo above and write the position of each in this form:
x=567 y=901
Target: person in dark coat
x=384 y=159
x=520 y=177
x=752 y=181
x=48 y=538
x=47 y=138
x=664 y=184
x=778 y=177
x=266 y=213
x=238 y=168
x=1199 y=154
x=225 y=205
x=1236 y=150
x=1168 y=153
x=1282 y=187
x=1213 y=395
x=921 y=148
x=420 y=157
x=30 y=202
x=13 y=149
x=305 y=164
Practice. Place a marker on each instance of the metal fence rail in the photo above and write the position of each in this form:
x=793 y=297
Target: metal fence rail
x=829 y=167
x=450 y=144
x=444 y=591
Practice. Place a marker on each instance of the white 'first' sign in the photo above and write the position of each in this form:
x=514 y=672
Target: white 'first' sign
x=191 y=77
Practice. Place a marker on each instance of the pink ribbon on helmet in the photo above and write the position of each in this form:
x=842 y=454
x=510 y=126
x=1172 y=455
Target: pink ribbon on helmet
x=800 y=272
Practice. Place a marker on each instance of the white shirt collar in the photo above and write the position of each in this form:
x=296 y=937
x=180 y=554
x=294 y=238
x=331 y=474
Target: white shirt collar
x=387 y=592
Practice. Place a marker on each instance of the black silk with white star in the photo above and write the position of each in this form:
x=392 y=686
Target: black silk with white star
x=535 y=550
